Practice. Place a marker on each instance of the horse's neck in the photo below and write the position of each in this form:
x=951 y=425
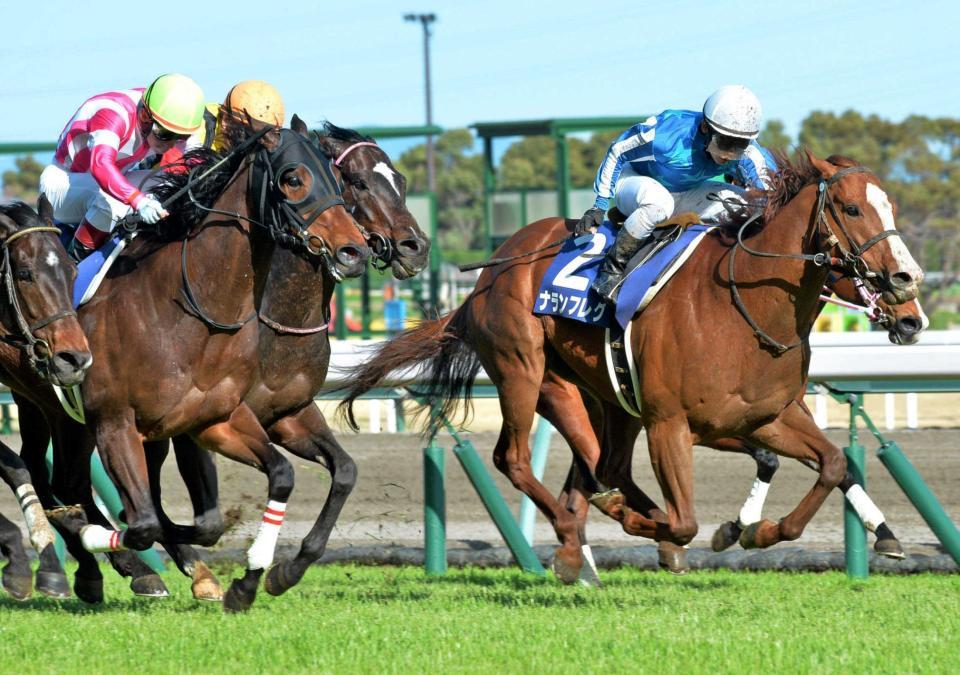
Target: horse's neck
x=783 y=282
x=297 y=293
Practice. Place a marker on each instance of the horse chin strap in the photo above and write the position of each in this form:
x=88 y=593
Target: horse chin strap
x=851 y=262
x=37 y=350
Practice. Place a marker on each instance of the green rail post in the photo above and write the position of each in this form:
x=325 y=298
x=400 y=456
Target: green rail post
x=854 y=534
x=920 y=495
x=365 y=304
x=59 y=546
x=340 y=330
x=538 y=463
x=497 y=507
x=434 y=510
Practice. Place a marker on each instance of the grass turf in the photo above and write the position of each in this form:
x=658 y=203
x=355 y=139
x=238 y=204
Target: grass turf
x=370 y=619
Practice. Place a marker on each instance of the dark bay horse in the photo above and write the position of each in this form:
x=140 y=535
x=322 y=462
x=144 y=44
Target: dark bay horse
x=293 y=359
x=722 y=351
x=175 y=341
x=41 y=343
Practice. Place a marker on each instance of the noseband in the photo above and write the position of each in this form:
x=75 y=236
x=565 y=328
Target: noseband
x=851 y=261
x=36 y=349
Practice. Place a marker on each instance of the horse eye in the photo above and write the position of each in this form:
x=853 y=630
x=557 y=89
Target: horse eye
x=852 y=210
x=293 y=180
x=24 y=275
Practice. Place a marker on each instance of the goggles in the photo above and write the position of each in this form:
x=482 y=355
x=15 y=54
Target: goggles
x=164 y=135
x=727 y=145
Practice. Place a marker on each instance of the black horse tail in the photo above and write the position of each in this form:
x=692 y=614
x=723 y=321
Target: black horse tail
x=448 y=368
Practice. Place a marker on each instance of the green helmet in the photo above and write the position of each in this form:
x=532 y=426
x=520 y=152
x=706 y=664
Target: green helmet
x=176 y=103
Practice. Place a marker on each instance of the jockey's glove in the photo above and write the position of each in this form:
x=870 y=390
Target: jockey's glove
x=592 y=218
x=150 y=210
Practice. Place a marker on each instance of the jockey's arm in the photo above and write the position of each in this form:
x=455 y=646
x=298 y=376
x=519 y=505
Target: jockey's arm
x=756 y=167
x=106 y=130
x=632 y=143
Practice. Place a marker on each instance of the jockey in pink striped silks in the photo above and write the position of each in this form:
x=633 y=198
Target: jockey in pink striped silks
x=93 y=175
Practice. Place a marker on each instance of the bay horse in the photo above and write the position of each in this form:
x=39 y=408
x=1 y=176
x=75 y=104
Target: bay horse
x=293 y=362
x=175 y=341
x=721 y=352
x=41 y=342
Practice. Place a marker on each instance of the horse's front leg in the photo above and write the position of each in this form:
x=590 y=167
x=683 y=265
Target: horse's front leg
x=794 y=434
x=307 y=435
x=671 y=455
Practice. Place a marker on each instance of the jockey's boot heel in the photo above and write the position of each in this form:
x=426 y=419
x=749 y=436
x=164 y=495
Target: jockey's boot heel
x=607 y=283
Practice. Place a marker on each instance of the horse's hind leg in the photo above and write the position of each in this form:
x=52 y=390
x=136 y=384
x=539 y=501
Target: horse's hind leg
x=17 y=579
x=240 y=438
x=794 y=434
x=307 y=435
x=767 y=464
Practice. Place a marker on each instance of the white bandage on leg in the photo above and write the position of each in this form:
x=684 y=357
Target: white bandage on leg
x=588 y=571
x=98 y=539
x=261 y=551
x=753 y=507
x=41 y=534
x=868 y=512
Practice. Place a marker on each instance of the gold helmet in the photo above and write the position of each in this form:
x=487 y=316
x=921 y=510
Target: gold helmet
x=258 y=99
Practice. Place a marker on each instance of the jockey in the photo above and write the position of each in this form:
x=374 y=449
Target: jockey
x=669 y=164
x=91 y=180
x=258 y=99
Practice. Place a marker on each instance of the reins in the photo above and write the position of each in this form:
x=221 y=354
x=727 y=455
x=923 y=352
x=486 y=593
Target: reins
x=851 y=261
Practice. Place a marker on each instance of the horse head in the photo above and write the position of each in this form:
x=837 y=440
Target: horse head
x=376 y=193
x=858 y=221
x=904 y=322
x=38 y=285
x=301 y=202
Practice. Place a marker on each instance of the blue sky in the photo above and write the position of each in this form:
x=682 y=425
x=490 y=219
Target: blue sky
x=357 y=62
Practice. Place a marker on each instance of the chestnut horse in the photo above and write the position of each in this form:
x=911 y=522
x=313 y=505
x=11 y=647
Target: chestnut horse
x=41 y=343
x=721 y=352
x=175 y=342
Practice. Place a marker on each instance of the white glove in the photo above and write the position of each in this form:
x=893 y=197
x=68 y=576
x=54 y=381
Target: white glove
x=150 y=210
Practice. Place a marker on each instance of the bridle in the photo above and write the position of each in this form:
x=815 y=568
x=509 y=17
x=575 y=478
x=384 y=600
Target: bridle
x=851 y=260
x=382 y=247
x=37 y=350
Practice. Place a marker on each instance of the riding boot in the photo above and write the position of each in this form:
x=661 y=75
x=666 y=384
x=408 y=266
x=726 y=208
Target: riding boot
x=78 y=250
x=611 y=271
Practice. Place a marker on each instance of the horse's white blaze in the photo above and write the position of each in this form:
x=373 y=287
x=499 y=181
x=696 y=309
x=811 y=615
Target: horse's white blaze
x=877 y=198
x=52 y=260
x=387 y=172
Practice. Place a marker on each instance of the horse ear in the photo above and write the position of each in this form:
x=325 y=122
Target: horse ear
x=826 y=169
x=299 y=125
x=45 y=209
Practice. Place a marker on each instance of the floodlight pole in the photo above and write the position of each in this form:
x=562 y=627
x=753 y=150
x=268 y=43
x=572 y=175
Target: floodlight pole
x=425 y=20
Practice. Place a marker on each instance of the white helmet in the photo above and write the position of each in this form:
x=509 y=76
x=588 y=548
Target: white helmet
x=733 y=110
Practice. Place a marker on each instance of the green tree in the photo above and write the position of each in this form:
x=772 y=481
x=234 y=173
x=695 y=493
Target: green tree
x=22 y=182
x=773 y=136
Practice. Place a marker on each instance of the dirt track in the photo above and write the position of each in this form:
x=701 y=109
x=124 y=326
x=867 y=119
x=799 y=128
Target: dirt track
x=387 y=506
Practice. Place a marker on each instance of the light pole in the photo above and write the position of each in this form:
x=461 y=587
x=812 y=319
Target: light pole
x=425 y=20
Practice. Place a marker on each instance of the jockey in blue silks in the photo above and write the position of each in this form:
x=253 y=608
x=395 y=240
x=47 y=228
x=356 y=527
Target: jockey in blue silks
x=669 y=164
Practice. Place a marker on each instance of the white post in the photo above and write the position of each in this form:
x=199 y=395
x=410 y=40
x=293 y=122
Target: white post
x=912 y=414
x=889 y=410
x=391 y=417
x=374 y=416
x=820 y=410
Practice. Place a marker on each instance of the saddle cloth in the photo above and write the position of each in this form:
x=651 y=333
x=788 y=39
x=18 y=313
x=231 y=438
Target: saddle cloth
x=565 y=290
x=92 y=269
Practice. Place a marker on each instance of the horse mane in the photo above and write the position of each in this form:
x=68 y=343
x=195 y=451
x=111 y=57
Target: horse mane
x=792 y=176
x=19 y=212
x=186 y=213
x=336 y=133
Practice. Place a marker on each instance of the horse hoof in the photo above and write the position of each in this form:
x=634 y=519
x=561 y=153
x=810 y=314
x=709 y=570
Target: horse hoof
x=564 y=571
x=725 y=536
x=889 y=548
x=609 y=502
x=88 y=590
x=149 y=586
x=54 y=585
x=750 y=537
x=672 y=558
x=205 y=585
x=238 y=599
x=276 y=582
x=20 y=587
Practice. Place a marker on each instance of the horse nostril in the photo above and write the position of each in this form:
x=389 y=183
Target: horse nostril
x=909 y=325
x=901 y=280
x=412 y=247
x=350 y=254
x=73 y=360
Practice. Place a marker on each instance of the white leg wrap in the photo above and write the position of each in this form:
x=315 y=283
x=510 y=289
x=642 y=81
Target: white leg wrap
x=753 y=507
x=41 y=534
x=588 y=572
x=260 y=553
x=98 y=539
x=869 y=513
